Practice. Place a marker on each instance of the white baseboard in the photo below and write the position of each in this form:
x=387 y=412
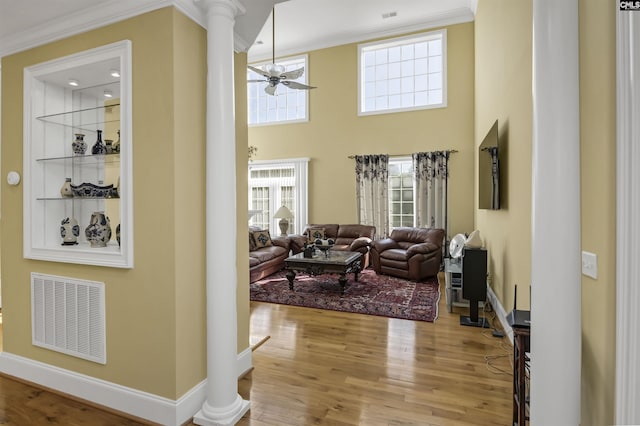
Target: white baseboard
x=501 y=314
x=116 y=397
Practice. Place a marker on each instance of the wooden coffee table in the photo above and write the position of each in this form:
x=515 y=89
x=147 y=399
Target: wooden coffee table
x=334 y=262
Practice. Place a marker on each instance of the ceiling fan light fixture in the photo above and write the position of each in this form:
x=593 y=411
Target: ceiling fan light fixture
x=274 y=69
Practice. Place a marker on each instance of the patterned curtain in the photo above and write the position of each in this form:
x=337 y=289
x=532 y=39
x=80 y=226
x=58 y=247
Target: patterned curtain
x=372 y=179
x=431 y=174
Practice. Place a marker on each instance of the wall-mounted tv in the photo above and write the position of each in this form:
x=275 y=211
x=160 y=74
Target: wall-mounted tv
x=489 y=171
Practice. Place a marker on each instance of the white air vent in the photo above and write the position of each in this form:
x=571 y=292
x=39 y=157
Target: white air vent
x=67 y=315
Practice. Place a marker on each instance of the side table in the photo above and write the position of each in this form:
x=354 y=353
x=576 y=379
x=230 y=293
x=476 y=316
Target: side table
x=453 y=283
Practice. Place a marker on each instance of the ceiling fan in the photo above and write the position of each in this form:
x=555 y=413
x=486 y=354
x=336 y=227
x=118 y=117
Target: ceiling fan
x=275 y=74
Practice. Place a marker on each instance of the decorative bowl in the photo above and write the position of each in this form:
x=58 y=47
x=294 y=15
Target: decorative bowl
x=90 y=190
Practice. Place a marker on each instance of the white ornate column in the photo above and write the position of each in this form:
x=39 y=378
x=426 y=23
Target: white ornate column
x=223 y=405
x=555 y=253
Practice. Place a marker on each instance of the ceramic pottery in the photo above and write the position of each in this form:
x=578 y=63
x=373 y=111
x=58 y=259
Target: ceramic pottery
x=98 y=232
x=66 y=191
x=109 y=144
x=91 y=190
x=118 y=234
x=69 y=231
x=115 y=147
x=99 y=147
x=79 y=146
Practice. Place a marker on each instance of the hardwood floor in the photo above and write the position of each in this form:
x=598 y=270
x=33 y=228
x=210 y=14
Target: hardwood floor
x=330 y=368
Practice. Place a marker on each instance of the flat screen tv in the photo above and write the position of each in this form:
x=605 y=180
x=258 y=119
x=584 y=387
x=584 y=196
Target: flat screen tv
x=489 y=171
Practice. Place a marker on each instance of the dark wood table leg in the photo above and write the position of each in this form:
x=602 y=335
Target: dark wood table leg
x=343 y=281
x=291 y=274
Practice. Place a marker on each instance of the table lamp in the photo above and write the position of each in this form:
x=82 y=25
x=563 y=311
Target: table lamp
x=283 y=214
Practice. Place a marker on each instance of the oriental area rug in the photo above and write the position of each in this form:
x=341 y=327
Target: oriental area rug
x=372 y=294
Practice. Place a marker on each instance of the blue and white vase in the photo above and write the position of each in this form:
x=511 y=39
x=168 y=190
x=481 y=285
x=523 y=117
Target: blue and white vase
x=99 y=147
x=79 y=146
x=69 y=231
x=98 y=232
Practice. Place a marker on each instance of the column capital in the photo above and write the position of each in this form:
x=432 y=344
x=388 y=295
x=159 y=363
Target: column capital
x=235 y=7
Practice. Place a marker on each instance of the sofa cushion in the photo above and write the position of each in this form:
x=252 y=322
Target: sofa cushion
x=265 y=254
x=261 y=238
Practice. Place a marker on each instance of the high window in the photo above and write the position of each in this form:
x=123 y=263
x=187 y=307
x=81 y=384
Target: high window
x=401 y=74
x=287 y=105
x=400 y=191
x=276 y=183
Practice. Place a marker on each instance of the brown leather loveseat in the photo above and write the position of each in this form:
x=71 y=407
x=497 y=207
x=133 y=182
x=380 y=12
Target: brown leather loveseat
x=410 y=253
x=352 y=237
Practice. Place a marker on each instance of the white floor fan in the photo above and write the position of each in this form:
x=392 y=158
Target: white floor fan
x=275 y=74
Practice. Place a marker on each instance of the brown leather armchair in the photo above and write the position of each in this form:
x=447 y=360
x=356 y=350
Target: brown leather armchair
x=411 y=253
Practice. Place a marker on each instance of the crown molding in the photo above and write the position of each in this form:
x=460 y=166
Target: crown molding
x=452 y=17
x=106 y=13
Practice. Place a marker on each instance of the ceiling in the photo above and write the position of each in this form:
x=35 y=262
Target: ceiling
x=301 y=25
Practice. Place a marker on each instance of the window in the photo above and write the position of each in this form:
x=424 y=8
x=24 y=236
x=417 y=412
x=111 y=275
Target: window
x=287 y=105
x=276 y=183
x=400 y=192
x=403 y=74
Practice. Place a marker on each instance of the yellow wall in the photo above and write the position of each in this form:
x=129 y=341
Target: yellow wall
x=188 y=151
x=598 y=201
x=242 y=205
x=154 y=312
x=503 y=91
x=335 y=131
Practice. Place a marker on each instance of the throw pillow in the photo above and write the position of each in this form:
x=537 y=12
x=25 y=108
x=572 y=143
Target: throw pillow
x=252 y=242
x=261 y=238
x=315 y=233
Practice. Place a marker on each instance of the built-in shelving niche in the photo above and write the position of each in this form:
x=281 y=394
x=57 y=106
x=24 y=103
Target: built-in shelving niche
x=54 y=111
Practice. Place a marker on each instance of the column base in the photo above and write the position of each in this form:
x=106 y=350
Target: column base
x=228 y=416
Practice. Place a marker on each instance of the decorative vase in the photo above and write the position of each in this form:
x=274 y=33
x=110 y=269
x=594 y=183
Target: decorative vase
x=109 y=145
x=66 y=190
x=115 y=147
x=69 y=231
x=118 y=234
x=79 y=146
x=98 y=232
x=99 y=148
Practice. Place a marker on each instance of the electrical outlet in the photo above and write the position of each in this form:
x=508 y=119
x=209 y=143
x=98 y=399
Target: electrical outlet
x=589 y=264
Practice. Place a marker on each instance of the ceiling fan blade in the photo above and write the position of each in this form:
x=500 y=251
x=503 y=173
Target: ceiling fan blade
x=293 y=74
x=270 y=89
x=296 y=85
x=259 y=71
x=257 y=81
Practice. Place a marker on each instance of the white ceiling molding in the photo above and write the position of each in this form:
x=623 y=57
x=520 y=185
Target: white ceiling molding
x=83 y=20
x=109 y=12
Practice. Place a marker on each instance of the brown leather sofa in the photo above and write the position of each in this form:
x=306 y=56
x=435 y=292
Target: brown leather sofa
x=351 y=237
x=264 y=261
x=410 y=253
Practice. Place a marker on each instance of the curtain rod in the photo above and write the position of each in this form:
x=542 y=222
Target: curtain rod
x=450 y=151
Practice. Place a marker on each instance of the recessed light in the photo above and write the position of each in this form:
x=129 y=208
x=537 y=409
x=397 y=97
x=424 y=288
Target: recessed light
x=108 y=94
x=73 y=82
x=114 y=73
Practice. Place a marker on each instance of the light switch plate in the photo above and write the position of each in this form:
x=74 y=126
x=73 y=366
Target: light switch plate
x=589 y=264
